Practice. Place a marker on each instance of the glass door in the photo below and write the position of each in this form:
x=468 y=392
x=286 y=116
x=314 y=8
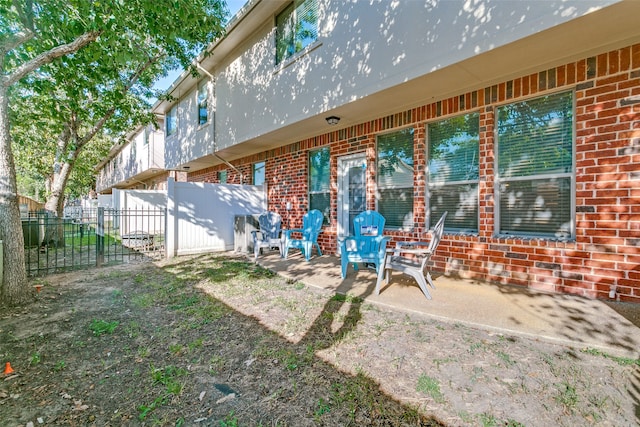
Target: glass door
x=352 y=191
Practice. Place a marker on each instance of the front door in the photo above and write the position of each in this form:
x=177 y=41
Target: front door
x=352 y=191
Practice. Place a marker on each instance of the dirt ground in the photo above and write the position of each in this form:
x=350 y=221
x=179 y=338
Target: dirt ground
x=214 y=340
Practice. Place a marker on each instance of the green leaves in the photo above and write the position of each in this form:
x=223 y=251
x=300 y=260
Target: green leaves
x=102 y=88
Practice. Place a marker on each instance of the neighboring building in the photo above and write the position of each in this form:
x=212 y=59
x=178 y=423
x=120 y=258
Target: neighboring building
x=521 y=119
x=138 y=163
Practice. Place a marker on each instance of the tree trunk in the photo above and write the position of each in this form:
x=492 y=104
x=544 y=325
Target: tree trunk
x=60 y=176
x=54 y=233
x=14 y=289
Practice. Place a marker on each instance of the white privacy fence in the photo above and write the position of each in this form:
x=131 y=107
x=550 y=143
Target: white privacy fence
x=139 y=201
x=199 y=218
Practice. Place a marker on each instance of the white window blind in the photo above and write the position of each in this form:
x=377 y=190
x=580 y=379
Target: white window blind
x=203 y=104
x=395 y=178
x=319 y=190
x=453 y=159
x=172 y=121
x=296 y=28
x=535 y=159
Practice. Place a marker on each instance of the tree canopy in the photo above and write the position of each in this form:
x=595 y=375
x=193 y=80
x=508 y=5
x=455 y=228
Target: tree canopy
x=86 y=67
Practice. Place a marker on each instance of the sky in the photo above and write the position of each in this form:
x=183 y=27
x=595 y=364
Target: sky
x=164 y=83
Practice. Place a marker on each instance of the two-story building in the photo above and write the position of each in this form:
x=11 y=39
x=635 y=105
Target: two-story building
x=138 y=163
x=520 y=119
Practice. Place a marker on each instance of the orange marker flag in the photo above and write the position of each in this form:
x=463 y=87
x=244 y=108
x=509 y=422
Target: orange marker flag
x=8 y=369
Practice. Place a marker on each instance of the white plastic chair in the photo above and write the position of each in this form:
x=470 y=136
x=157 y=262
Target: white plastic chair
x=411 y=258
x=269 y=234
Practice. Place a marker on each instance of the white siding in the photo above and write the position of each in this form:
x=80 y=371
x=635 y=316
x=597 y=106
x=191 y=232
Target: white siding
x=134 y=158
x=200 y=216
x=191 y=141
x=365 y=47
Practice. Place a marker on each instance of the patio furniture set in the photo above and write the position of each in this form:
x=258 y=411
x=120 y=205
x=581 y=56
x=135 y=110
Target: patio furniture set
x=368 y=246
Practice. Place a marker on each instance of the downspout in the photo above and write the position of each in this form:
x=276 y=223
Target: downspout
x=231 y=166
x=215 y=145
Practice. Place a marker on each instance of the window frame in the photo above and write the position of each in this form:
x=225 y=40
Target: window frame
x=223 y=176
x=571 y=175
x=430 y=219
x=202 y=86
x=411 y=187
x=171 y=125
x=310 y=187
x=291 y=50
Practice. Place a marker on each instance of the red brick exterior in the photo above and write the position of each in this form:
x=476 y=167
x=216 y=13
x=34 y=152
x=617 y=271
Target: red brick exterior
x=606 y=250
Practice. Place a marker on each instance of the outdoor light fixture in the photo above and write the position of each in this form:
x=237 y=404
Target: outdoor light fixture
x=186 y=168
x=333 y=120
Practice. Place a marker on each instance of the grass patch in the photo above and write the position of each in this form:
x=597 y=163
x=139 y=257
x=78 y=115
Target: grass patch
x=346 y=298
x=35 y=359
x=624 y=361
x=101 y=327
x=145 y=410
x=359 y=395
x=506 y=359
x=487 y=420
x=230 y=269
x=142 y=301
x=567 y=396
x=216 y=364
x=430 y=386
x=229 y=420
x=289 y=357
x=185 y=301
x=168 y=376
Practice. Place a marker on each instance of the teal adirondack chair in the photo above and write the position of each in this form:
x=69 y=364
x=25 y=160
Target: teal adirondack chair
x=311 y=227
x=368 y=246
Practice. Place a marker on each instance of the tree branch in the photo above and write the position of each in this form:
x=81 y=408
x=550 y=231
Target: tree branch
x=129 y=84
x=25 y=12
x=49 y=56
x=15 y=41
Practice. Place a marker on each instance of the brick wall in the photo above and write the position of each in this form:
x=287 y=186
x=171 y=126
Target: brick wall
x=606 y=250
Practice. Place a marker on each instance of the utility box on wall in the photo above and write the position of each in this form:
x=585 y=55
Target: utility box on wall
x=243 y=225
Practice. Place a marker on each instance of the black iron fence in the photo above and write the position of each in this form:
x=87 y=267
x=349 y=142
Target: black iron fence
x=92 y=237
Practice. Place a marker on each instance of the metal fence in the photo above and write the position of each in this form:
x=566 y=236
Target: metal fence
x=92 y=237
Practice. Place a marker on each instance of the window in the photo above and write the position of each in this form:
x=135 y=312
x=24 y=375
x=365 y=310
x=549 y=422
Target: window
x=395 y=178
x=296 y=28
x=534 y=159
x=203 y=98
x=172 y=120
x=147 y=136
x=222 y=177
x=258 y=173
x=452 y=174
x=319 y=195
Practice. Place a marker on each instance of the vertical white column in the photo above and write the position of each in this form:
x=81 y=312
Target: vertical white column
x=171 y=218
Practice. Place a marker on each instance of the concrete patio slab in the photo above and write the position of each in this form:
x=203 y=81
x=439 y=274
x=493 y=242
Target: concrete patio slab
x=565 y=319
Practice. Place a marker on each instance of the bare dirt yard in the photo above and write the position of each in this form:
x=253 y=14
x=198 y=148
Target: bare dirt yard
x=214 y=340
